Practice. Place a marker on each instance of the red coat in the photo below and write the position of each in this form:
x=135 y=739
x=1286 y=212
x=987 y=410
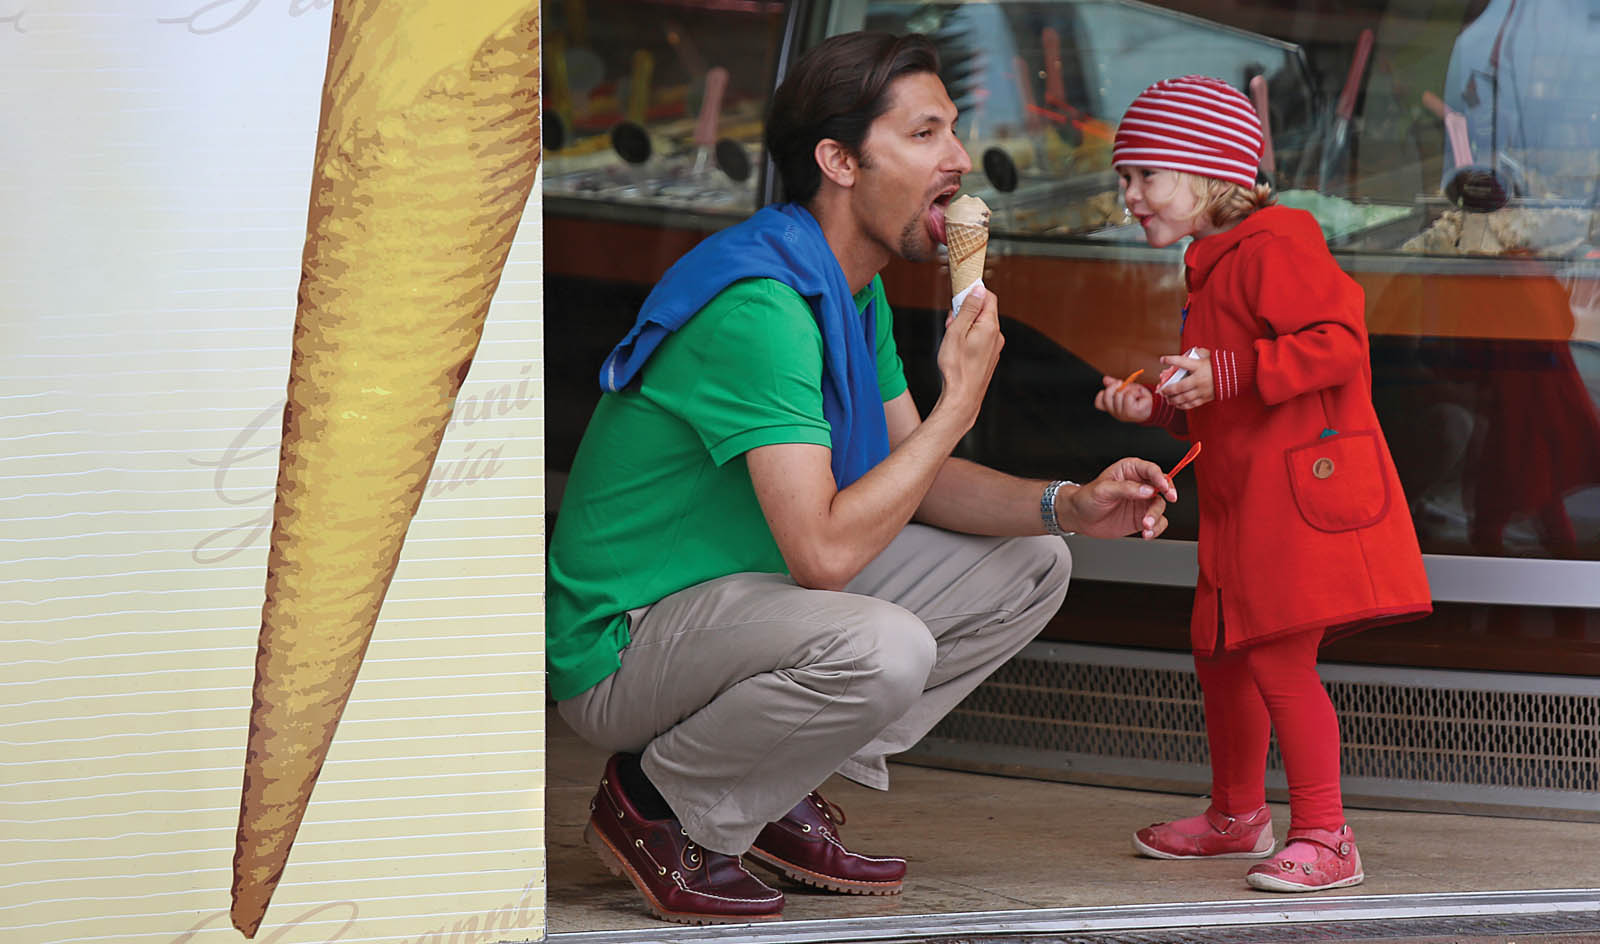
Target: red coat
x=1300 y=528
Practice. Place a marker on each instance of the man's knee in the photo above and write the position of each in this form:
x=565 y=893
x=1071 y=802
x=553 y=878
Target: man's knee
x=892 y=655
x=1057 y=555
x=1053 y=560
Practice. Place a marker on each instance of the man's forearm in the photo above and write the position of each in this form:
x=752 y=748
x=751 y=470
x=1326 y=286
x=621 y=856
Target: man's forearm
x=872 y=511
x=974 y=499
x=828 y=536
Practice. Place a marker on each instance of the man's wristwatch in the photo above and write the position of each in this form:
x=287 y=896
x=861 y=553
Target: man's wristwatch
x=1047 y=508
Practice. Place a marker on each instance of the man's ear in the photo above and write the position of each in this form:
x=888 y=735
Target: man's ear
x=838 y=163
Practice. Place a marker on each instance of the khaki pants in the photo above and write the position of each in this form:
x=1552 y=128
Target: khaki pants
x=746 y=692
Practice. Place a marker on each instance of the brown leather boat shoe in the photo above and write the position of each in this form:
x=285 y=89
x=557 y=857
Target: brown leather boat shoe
x=804 y=846
x=680 y=880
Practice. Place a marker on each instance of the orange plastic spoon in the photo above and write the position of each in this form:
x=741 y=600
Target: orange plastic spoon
x=1188 y=457
x=1129 y=379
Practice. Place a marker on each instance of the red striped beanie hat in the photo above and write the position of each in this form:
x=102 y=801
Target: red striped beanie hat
x=1194 y=123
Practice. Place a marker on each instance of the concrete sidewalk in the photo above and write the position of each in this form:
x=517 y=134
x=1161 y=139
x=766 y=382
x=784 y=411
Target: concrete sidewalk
x=983 y=845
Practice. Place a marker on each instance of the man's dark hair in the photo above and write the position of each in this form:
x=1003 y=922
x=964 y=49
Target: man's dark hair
x=836 y=90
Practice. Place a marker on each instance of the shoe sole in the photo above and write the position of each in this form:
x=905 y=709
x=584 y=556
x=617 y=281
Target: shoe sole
x=1271 y=883
x=619 y=866
x=817 y=880
x=1155 y=853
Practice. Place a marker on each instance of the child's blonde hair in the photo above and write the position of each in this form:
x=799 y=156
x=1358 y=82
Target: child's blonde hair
x=1224 y=202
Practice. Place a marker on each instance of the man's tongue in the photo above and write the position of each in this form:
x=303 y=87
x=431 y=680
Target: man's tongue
x=936 y=223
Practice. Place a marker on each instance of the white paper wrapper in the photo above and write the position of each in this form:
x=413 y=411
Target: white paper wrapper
x=960 y=298
x=1178 y=374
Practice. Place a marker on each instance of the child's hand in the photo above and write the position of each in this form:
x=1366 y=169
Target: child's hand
x=1194 y=390
x=1130 y=404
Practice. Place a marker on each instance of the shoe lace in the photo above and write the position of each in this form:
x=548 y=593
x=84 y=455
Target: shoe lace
x=692 y=859
x=829 y=810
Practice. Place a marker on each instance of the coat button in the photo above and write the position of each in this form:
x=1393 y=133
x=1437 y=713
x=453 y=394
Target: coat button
x=1322 y=468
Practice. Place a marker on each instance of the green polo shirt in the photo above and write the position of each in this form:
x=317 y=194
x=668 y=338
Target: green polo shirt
x=659 y=498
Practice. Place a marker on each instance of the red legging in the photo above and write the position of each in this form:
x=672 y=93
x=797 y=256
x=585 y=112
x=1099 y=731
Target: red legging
x=1248 y=693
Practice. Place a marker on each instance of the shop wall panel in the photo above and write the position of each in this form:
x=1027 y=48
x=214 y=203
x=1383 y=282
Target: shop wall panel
x=157 y=160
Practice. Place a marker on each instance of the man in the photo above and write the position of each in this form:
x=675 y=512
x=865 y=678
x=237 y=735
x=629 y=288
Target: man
x=740 y=604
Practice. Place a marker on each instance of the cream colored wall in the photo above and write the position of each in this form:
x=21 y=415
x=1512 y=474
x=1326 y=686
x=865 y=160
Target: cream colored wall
x=154 y=167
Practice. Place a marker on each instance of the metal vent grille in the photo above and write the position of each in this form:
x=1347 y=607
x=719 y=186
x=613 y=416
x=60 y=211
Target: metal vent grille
x=1413 y=739
x=1538 y=741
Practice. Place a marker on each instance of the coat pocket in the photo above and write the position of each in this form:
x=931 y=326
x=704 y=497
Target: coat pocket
x=1339 y=482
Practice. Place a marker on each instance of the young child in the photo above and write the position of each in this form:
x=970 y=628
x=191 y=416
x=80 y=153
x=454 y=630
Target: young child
x=1304 y=532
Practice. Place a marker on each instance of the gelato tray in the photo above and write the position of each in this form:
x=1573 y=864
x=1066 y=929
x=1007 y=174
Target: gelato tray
x=1345 y=220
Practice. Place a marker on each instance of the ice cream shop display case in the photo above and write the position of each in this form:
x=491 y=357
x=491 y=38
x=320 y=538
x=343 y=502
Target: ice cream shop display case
x=1449 y=150
x=658 y=104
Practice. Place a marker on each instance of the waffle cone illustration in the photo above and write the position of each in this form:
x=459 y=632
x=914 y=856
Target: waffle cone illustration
x=425 y=157
x=966 y=229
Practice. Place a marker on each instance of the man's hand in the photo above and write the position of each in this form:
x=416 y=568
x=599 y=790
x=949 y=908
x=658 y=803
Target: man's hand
x=968 y=354
x=1128 y=497
x=1130 y=404
x=1197 y=389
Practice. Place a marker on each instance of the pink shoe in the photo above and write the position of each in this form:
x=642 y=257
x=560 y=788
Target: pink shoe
x=1211 y=835
x=1312 y=860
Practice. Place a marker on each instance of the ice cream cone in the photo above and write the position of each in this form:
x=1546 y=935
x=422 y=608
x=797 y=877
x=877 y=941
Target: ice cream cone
x=968 y=246
x=966 y=232
x=426 y=155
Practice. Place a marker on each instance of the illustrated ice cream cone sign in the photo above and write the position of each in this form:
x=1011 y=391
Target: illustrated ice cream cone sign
x=426 y=154
x=966 y=230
